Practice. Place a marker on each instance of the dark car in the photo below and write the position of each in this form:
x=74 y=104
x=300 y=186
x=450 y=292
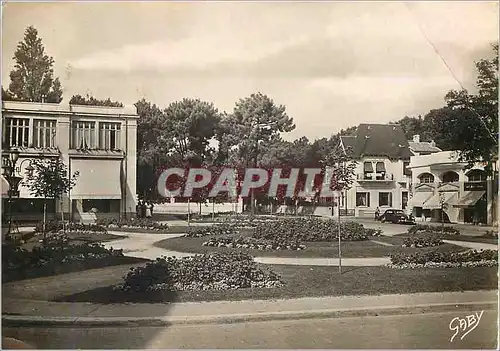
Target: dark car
x=397 y=217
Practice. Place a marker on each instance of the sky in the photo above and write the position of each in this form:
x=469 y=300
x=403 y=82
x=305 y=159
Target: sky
x=332 y=64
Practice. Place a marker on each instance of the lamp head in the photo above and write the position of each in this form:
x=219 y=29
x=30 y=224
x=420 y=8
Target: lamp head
x=14 y=156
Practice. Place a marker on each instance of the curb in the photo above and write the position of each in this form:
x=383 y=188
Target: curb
x=40 y=321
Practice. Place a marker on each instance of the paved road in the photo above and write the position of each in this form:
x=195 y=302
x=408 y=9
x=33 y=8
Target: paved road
x=406 y=331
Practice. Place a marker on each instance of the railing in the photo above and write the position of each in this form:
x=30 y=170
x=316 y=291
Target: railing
x=375 y=177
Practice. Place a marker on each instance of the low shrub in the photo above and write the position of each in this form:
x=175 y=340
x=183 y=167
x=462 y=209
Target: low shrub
x=243 y=242
x=214 y=271
x=138 y=223
x=199 y=232
x=55 y=226
x=449 y=257
x=433 y=229
x=428 y=240
x=313 y=229
x=57 y=252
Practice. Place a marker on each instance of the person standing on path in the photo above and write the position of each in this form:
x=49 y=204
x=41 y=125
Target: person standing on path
x=148 y=208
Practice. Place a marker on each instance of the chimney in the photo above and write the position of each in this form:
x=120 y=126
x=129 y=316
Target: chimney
x=416 y=138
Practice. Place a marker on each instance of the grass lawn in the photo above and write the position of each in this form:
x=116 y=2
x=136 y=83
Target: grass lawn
x=476 y=239
x=307 y=281
x=140 y=230
x=351 y=249
x=50 y=270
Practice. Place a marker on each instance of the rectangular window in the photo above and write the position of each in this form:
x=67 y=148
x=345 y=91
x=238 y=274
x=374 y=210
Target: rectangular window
x=363 y=199
x=109 y=136
x=385 y=199
x=101 y=205
x=44 y=133
x=16 y=132
x=404 y=199
x=83 y=135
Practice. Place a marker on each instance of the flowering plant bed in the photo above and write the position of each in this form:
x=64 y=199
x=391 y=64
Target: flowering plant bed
x=245 y=242
x=55 y=226
x=428 y=240
x=314 y=229
x=131 y=224
x=436 y=258
x=198 y=232
x=425 y=228
x=57 y=257
x=214 y=271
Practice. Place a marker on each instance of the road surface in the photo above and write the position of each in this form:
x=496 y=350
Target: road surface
x=420 y=331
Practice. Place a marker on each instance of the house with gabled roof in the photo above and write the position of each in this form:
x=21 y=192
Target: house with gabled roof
x=382 y=178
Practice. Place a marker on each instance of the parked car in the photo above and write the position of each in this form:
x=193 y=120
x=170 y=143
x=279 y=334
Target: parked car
x=397 y=217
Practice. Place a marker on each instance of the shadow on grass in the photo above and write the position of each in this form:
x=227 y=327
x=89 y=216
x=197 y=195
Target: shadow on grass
x=317 y=281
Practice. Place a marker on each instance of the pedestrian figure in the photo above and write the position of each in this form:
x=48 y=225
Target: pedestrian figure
x=377 y=213
x=147 y=209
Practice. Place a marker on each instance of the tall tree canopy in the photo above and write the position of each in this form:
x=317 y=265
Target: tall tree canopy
x=472 y=121
x=32 y=78
x=190 y=125
x=92 y=101
x=256 y=119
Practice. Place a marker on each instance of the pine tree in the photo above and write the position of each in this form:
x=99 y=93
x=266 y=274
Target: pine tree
x=32 y=78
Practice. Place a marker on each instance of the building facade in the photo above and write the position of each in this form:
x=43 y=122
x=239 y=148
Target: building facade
x=100 y=143
x=444 y=189
x=382 y=176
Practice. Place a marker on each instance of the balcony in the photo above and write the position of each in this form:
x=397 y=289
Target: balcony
x=375 y=177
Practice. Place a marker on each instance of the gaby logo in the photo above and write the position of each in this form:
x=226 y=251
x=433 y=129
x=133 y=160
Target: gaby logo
x=299 y=183
x=465 y=325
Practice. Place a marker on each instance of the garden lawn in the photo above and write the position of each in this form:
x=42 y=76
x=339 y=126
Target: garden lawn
x=350 y=249
x=307 y=281
x=69 y=267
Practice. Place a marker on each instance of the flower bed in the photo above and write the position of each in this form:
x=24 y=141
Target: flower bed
x=214 y=271
x=425 y=228
x=56 y=255
x=313 y=229
x=56 y=226
x=243 y=242
x=198 y=232
x=132 y=223
x=435 y=258
x=428 y=240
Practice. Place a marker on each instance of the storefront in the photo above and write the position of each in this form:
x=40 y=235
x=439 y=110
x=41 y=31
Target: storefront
x=473 y=203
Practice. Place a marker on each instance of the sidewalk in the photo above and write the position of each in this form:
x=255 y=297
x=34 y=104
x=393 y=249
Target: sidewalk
x=26 y=311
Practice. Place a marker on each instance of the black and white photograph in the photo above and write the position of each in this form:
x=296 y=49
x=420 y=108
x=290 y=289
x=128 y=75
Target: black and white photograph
x=249 y=174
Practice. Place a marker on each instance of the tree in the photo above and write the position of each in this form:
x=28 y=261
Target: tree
x=92 y=101
x=470 y=121
x=33 y=76
x=257 y=119
x=191 y=124
x=50 y=180
x=152 y=146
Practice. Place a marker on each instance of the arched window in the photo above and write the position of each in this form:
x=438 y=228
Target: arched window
x=450 y=177
x=426 y=178
x=476 y=175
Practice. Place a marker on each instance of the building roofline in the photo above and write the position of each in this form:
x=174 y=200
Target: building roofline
x=65 y=109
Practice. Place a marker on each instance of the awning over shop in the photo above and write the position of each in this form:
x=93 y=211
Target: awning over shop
x=470 y=198
x=419 y=198
x=435 y=203
x=380 y=167
x=98 y=179
x=368 y=167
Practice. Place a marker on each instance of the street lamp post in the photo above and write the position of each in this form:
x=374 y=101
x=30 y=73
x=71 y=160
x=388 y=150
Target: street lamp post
x=442 y=204
x=9 y=161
